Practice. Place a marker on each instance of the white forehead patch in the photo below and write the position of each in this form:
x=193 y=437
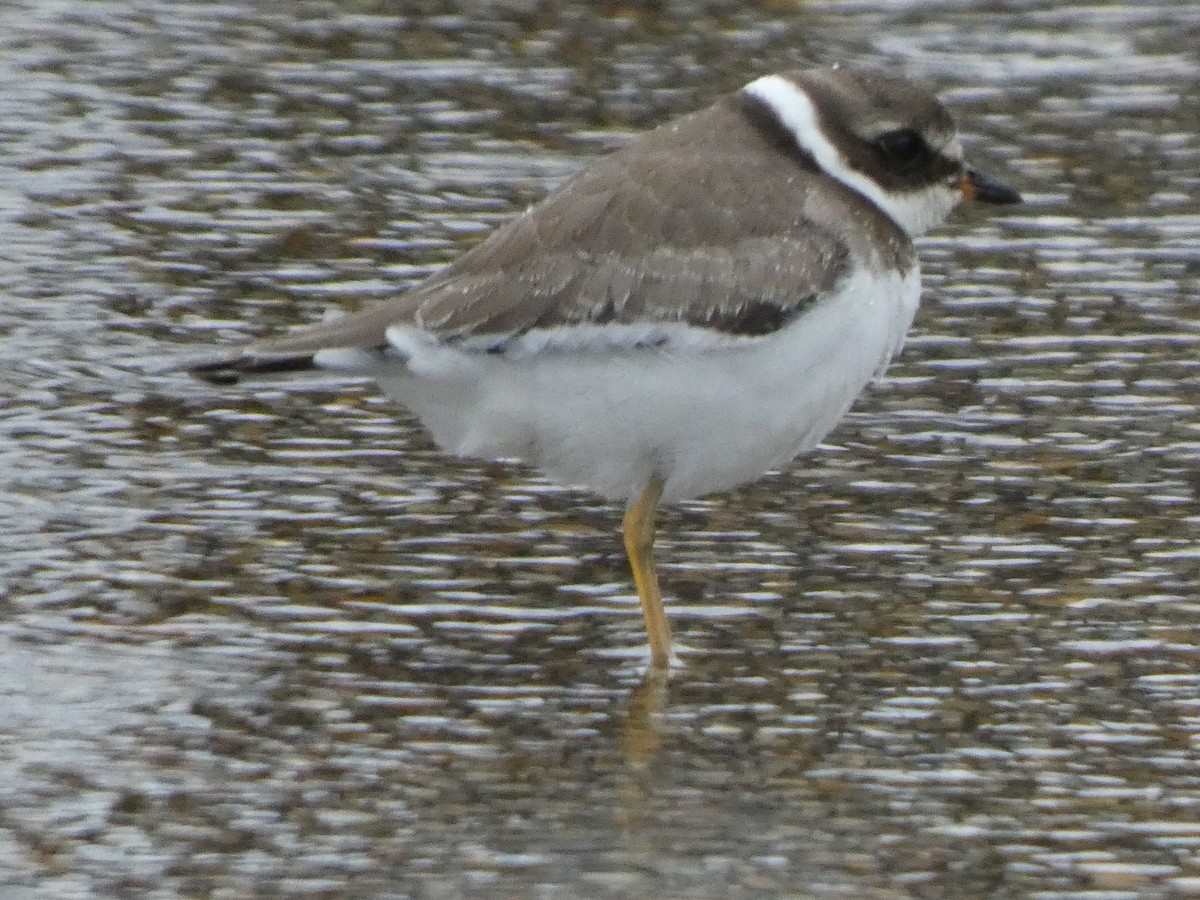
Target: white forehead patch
x=916 y=212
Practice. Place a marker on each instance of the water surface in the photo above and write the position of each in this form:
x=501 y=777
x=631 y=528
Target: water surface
x=269 y=642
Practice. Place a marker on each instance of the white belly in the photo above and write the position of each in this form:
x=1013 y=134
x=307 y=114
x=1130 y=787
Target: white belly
x=702 y=415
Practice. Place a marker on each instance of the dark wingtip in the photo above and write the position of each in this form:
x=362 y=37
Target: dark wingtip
x=230 y=368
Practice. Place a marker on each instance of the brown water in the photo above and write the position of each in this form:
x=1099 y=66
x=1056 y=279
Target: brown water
x=257 y=643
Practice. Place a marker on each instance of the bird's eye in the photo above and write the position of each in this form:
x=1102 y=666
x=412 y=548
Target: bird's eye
x=903 y=145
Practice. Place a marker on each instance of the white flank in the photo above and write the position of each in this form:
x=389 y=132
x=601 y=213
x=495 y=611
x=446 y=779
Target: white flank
x=703 y=414
x=612 y=337
x=916 y=212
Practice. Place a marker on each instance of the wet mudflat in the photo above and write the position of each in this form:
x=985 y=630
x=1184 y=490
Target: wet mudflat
x=269 y=642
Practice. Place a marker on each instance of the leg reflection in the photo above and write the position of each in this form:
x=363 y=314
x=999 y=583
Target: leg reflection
x=641 y=738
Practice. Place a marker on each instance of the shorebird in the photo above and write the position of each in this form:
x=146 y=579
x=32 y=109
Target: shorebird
x=689 y=312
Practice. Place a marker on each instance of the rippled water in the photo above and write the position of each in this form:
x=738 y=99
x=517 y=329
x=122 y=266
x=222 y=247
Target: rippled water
x=269 y=642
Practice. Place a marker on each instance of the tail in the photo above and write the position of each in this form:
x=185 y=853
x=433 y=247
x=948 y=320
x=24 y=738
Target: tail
x=342 y=342
x=230 y=368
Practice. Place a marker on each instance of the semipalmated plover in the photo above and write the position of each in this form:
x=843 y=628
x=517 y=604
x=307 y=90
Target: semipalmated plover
x=693 y=310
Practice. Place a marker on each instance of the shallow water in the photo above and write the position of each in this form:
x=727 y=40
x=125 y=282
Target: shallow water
x=268 y=642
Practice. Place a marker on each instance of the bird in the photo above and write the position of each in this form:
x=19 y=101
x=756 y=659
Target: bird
x=690 y=311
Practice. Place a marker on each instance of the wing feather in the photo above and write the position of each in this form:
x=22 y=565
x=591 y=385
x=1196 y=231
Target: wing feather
x=654 y=232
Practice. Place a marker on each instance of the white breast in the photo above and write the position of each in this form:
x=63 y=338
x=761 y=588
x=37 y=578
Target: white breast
x=703 y=414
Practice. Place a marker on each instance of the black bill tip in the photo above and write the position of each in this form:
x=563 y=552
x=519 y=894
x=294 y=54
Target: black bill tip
x=980 y=188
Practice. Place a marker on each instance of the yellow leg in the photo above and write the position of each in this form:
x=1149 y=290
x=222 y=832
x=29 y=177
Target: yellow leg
x=639 y=545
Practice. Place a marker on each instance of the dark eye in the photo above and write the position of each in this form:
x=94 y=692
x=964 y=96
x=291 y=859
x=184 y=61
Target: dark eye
x=902 y=146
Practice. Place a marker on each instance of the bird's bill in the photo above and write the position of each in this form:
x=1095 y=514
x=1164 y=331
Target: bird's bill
x=976 y=186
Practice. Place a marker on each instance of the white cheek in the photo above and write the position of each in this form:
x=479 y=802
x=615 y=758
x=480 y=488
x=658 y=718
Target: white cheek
x=918 y=211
